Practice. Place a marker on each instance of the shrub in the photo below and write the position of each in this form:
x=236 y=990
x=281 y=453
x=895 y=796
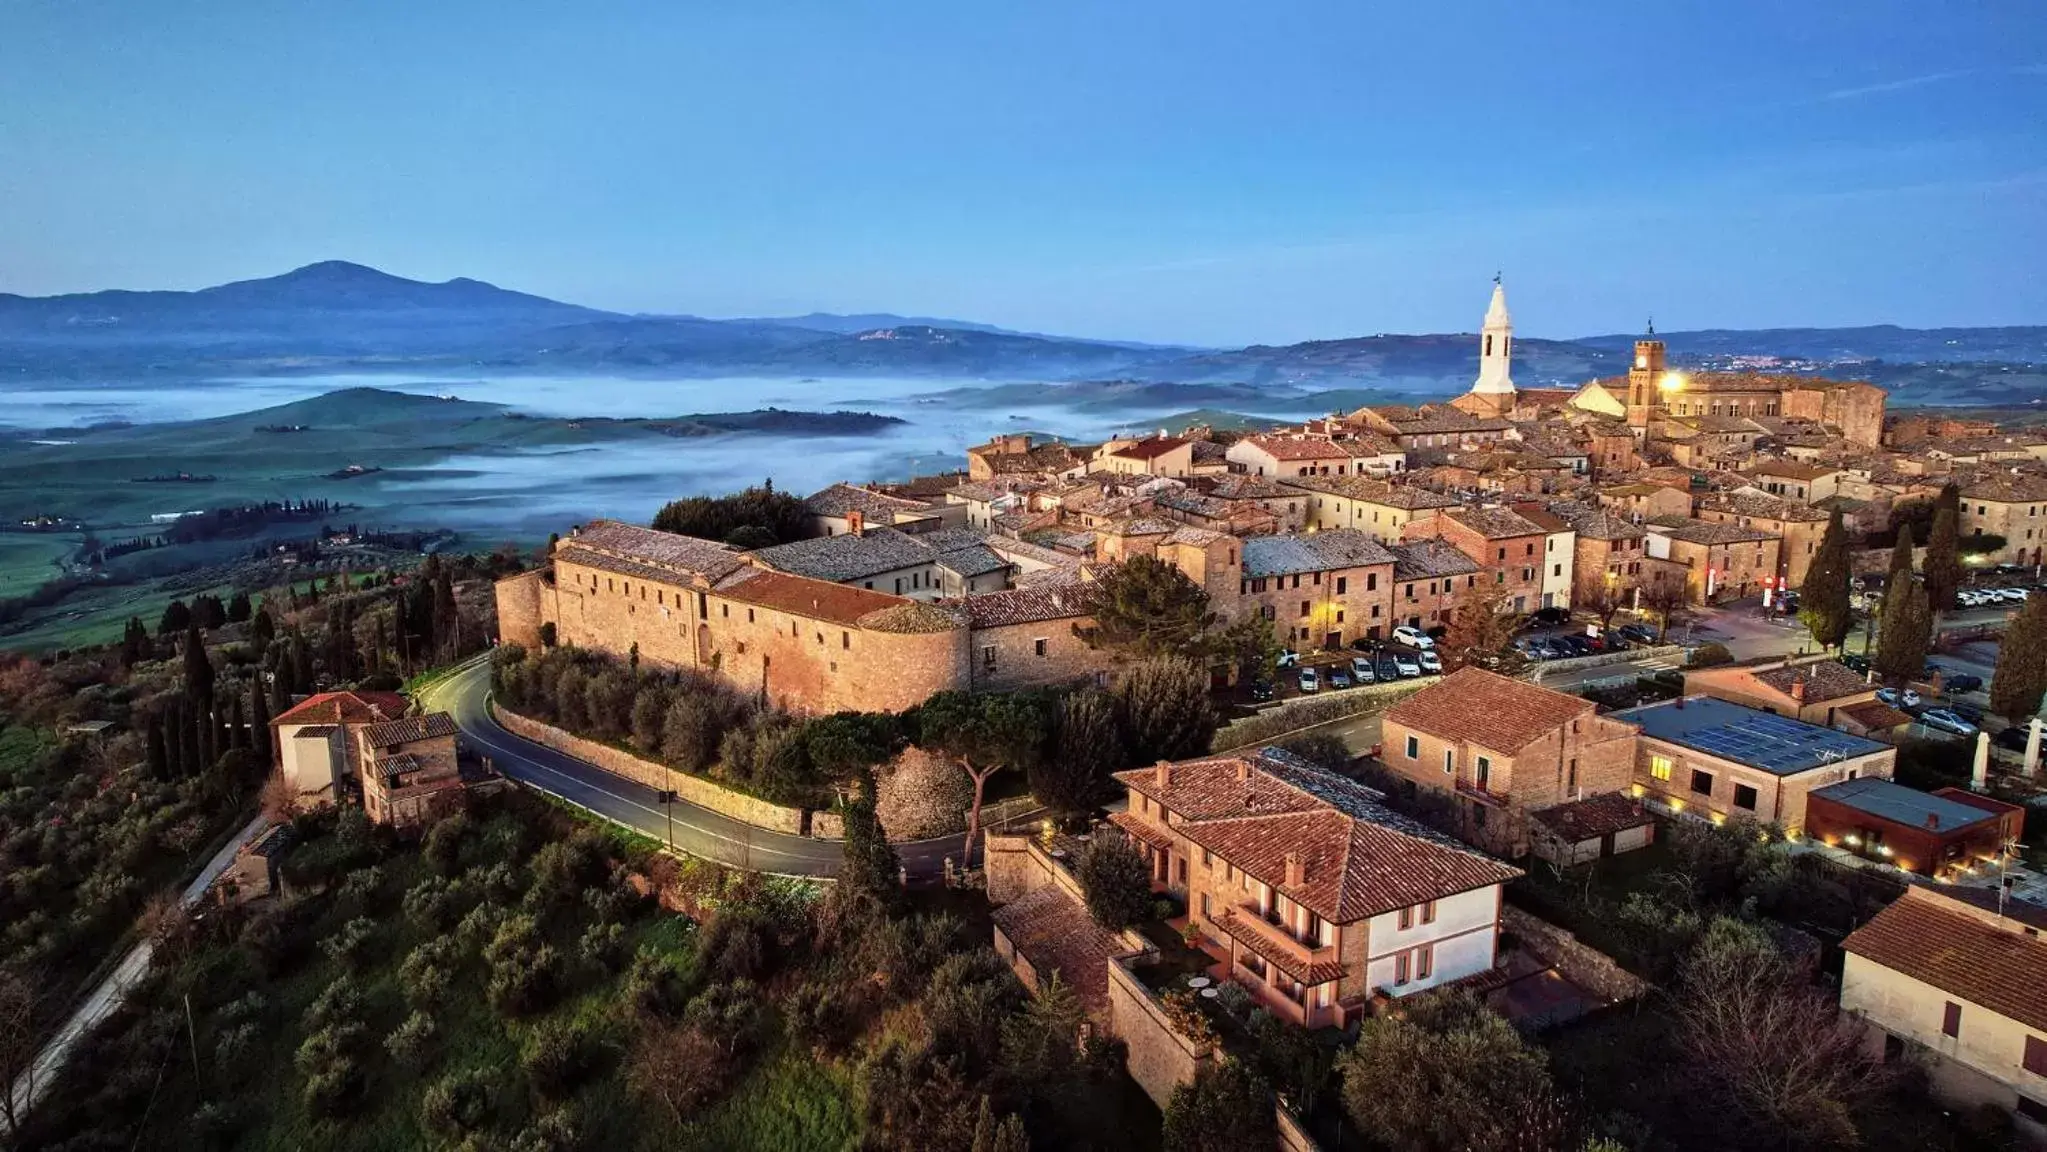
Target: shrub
x=557 y=1131
x=236 y=1045
x=457 y=1104
x=327 y=1058
x=411 y=1043
x=603 y=947
x=653 y=988
x=559 y=1056
x=735 y=943
x=428 y=971
x=1227 y=1106
x=1117 y=882
x=524 y=969
x=1709 y=655
x=350 y=946
x=442 y=849
x=361 y=889
x=341 y=1002
x=430 y=904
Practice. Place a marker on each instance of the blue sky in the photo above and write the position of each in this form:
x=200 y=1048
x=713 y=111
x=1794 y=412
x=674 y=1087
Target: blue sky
x=1202 y=172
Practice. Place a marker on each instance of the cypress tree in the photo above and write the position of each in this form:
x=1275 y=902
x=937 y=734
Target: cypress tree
x=198 y=667
x=190 y=759
x=447 y=617
x=1907 y=629
x=259 y=719
x=1823 y=598
x=159 y=755
x=175 y=617
x=134 y=642
x=1943 y=556
x=2021 y=676
x=263 y=629
x=237 y=731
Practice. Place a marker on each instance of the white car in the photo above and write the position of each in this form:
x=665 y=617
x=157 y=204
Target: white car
x=1406 y=665
x=2012 y=595
x=1413 y=637
x=1311 y=681
x=1431 y=663
x=1361 y=669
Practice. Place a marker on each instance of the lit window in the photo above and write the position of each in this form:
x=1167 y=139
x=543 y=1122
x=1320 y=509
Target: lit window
x=1659 y=767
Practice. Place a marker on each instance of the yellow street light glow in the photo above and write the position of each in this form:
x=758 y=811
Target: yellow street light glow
x=1672 y=382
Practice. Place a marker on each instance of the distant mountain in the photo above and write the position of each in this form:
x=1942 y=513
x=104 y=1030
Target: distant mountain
x=2025 y=345
x=1427 y=364
x=341 y=317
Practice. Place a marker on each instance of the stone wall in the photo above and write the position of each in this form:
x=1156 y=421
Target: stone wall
x=1293 y=1135
x=1580 y=963
x=696 y=790
x=1007 y=658
x=920 y=794
x=1159 y=1058
x=520 y=611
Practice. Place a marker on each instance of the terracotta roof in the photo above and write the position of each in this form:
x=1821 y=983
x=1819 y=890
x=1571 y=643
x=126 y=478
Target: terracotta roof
x=1302 y=446
x=1429 y=558
x=1759 y=507
x=1874 y=715
x=1021 y=606
x=910 y=618
x=2007 y=489
x=1243 y=486
x=1150 y=449
x=1706 y=532
x=1310 y=974
x=1791 y=470
x=849 y=556
x=1824 y=680
x=1594 y=817
x=1313 y=552
x=1142 y=830
x=685 y=555
x=803 y=596
x=1359 y=857
x=344 y=708
x=1495 y=523
x=1594 y=522
x=1055 y=933
x=1487 y=709
x=1961 y=951
x=394 y=732
x=840 y=499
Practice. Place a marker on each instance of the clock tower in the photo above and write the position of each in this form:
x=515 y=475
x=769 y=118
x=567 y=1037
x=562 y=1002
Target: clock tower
x=1645 y=376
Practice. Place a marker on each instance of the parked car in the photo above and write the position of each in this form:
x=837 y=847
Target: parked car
x=1387 y=668
x=1311 y=681
x=1855 y=661
x=1430 y=662
x=1288 y=659
x=1262 y=690
x=1571 y=645
x=1640 y=635
x=1408 y=666
x=1942 y=720
x=1896 y=699
x=1339 y=677
x=1550 y=616
x=1413 y=637
x=1961 y=682
x=2012 y=739
x=1361 y=669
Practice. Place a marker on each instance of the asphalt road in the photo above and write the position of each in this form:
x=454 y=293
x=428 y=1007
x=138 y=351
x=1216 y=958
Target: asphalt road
x=697 y=831
x=108 y=994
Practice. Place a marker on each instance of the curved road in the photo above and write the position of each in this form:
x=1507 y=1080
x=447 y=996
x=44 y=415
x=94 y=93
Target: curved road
x=698 y=831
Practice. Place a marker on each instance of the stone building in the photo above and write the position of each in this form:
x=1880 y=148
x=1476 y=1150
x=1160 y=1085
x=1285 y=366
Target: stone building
x=1027 y=637
x=807 y=644
x=1798 y=527
x=1505 y=749
x=1320 y=897
x=1510 y=549
x=1429 y=577
x=411 y=771
x=1606 y=551
x=1320 y=589
x=1814 y=691
x=1374 y=507
x=1721 y=561
x=2011 y=505
x=1278 y=455
x=313 y=744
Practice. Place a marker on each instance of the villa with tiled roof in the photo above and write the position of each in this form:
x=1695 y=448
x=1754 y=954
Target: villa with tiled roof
x=1321 y=897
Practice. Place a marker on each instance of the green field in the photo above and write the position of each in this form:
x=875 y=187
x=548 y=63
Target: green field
x=28 y=559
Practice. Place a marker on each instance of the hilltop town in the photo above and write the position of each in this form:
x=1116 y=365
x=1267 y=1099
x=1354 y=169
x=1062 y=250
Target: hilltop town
x=1197 y=789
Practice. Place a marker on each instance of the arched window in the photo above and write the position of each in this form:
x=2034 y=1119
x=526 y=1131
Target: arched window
x=1488 y=343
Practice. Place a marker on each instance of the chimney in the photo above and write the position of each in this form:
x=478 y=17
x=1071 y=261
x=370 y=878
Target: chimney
x=1296 y=870
x=856 y=523
x=1243 y=769
x=1680 y=703
x=1162 y=775
x=1933 y=821
x=1798 y=689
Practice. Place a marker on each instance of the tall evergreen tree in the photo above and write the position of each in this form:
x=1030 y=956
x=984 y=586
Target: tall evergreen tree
x=198 y=668
x=263 y=629
x=190 y=725
x=2021 y=677
x=176 y=616
x=447 y=616
x=238 y=609
x=1907 y=630
x=134 y=642
x=1823 y=598
x=159 y=754
x=237 y=728
x=1147 y=607
x=259 y=719
x=1943 y=566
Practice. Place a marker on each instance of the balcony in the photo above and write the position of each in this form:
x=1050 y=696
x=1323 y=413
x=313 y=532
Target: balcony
x=1485 y=795
x=1276 y=946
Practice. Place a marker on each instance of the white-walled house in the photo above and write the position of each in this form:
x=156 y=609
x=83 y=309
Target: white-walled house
x=1962 y=988
x=1320 y=897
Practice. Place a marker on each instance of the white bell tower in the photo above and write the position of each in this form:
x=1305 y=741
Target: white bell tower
x=1495 y=347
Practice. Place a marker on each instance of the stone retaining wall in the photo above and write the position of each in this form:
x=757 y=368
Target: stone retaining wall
x=1160 y=1059
x=1580 y=963
x=696 y=790
x=1293 y=1135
